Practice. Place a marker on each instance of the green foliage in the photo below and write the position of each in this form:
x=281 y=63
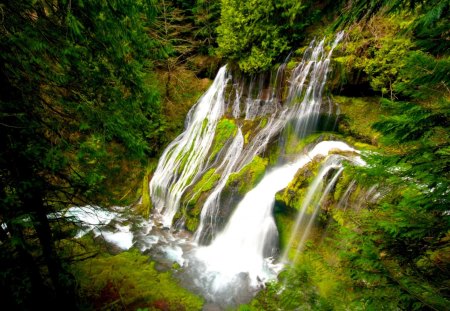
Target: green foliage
x=314 y=282
x=425 y=76
x=256 y=33
x=248 y=176
x=207 y=14
x=392 y=252
x=129 y=281
x=387 y=62
x=75 y=114
x=350 y=121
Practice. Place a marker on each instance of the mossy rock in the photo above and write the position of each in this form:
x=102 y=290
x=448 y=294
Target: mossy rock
x=238 y=185
x=130 y=281
x=248 y=176
x=225 y=130
x=284 y=220
x=144 y=207
x=357 y=117
x=293 y=195
x=193 y=200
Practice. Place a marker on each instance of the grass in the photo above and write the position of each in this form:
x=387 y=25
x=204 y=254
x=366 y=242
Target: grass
x=129 y=281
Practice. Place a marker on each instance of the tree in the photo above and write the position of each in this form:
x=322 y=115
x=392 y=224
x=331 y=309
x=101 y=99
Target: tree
x=72 y=95
x=257 y=33
x=402 y=245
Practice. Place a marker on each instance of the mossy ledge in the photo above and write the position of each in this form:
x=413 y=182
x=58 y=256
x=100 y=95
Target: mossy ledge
x=193 y=200
x=129 y=281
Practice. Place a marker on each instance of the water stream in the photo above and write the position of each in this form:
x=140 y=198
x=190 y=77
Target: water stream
x=242 y=253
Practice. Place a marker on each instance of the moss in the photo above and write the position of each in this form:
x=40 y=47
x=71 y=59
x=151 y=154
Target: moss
x=247 y=135
x=295 y=145
x=194 y=199
x=248 y=176
x=284 y=219
x=341 y=185
x=184 y=157
x=226 y=128
x=192 y=223
x=130 y=281
x=293 y=195
x=205 y=184
x=291 y=65
x=263 y=122
x=351 y=121
x=145 y=206
x=250 y=128
x=273 y=153
x=204 y=124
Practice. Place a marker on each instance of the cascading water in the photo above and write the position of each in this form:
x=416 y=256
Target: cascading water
x=209 y=210
x=314 y=67
x=238 y=256
x=314 y=199
x=250 y=236
x=184 y=158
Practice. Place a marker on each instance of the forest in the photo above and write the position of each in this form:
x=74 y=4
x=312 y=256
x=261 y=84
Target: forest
x=225 y=155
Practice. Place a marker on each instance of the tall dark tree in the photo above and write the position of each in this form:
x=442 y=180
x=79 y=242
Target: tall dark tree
x=72 y=94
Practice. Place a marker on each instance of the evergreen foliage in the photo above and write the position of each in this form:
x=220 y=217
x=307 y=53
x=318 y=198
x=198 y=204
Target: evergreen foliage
x=72 y=99
x=396 y=253
x=255 y=34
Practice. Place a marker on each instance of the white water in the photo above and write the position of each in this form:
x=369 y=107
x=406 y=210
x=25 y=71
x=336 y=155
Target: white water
x=210 y=208
x=95 y=219
x=239 y=257
x=314 y=67
x=250 y=235
x=184 y=158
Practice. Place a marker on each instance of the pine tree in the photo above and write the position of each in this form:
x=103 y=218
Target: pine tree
x=72 y=94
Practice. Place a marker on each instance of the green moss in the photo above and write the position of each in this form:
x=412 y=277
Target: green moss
x=204 y=124
x=292 y=196
x=226 y=128
x=294 y=145
x=357 y=117
x=192 y=223
x=248 y=176
x=184 y=157
x=263 y=122
x=342 y=184
x=130 y=281
x=284 y=219
x=193 y=200
x=291 y=65
x=145 y=206
x=273 y=153
x=247 y=135
x=205 y=184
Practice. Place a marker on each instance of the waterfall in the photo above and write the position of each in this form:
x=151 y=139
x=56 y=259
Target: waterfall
x=314 y=199
x=250 y=236
x=239 y=255
x=184 y=158
x=311 y=73
x=210 y=208
x=313 y=67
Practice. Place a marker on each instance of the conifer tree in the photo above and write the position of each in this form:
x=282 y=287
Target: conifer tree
x=72 y=94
